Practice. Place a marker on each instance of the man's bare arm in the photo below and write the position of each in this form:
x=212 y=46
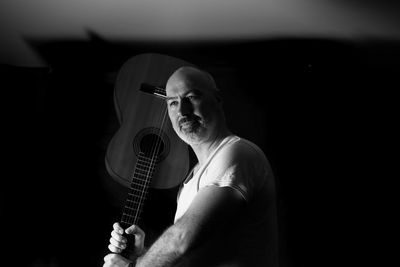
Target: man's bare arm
x=212 y=208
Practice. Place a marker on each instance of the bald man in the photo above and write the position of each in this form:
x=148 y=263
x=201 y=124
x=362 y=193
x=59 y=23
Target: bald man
x=226 y=212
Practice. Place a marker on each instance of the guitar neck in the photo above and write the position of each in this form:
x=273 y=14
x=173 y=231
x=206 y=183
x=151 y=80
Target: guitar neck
x=138 y=190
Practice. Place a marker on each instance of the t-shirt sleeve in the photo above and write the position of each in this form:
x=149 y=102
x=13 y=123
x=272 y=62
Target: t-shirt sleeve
x=232 y=177
x=234 y=170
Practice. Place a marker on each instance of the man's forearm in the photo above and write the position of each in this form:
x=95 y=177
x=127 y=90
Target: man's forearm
x=166 y=251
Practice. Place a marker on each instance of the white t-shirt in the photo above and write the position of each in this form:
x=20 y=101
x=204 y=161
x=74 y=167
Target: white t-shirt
x=239 y=164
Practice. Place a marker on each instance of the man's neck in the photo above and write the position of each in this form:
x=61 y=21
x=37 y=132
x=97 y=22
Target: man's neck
x=204 y=150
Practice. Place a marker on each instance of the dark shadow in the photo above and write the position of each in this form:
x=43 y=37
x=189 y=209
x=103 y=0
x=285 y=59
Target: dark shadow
x=311 y=104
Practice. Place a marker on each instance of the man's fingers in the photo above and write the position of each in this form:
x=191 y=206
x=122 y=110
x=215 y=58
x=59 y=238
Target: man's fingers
x=117 y=244
x=133 y=229
x=114 y=249
x=118 y=228
x=118 y=237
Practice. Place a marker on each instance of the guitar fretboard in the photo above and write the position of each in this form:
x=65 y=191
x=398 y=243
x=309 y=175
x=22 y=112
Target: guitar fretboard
x=143 y=172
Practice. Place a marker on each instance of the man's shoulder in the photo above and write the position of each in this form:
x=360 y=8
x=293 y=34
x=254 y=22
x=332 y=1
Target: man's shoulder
x=243 y=148
x=241 y=154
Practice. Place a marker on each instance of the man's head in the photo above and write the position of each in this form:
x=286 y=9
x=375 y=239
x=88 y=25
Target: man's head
x=194 y=105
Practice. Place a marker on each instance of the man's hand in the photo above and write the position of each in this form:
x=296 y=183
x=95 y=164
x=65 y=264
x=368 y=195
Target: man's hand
x=115 y=260
x=118 y=243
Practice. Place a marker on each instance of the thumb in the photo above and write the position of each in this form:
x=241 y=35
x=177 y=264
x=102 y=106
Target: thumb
x=134 y=229
x=139 y=236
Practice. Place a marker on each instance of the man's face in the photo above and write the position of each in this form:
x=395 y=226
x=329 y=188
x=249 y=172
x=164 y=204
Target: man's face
x=192 y=107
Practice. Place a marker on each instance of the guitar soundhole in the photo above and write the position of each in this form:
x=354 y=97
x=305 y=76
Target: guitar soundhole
x=152 y=142
x=151 y=145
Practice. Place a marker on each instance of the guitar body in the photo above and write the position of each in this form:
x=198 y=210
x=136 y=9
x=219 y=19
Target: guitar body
x=144 y=122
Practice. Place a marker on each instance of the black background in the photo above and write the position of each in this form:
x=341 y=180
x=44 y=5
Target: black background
x=321 y=109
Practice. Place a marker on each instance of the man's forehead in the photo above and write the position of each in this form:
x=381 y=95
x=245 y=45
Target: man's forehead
x=180 y=79
x=187 y=79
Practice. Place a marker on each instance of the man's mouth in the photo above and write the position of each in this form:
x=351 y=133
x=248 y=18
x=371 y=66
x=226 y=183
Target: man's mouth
x=187 y=122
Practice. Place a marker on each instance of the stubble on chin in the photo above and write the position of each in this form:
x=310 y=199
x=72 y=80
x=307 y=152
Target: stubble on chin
x=191 y=135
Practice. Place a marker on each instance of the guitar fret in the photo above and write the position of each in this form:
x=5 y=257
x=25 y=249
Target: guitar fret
x=146 y=163
x=125 y=222
x=131 y=215
x=140 y=179
x=126 y=215
x=128 y=208
x=147 y=160
x=141 y=168
x=135 y=200
x=144 y=169
x=145 y=193
x=129 y=221
x=137 y=190
x=137 y=183
x=132 y=208
x=143 y=159
x=142 y=173
x=133 y=203
x=143 y=176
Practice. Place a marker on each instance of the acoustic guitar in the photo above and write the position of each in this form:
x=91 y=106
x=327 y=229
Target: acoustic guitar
x=145 y=151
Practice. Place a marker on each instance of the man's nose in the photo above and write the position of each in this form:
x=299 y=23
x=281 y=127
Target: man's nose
x=185 y=107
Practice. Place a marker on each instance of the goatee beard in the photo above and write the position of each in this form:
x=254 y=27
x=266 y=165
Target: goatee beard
x=189 y=124
x=193 y=134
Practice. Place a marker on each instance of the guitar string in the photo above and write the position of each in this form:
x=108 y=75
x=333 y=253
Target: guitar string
x=155 y=150
x=137 y=184
x=139 y=199
x=154 y=157
x=128 y=217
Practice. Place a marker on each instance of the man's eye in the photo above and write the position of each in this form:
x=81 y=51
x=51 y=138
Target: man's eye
x=173 y=103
